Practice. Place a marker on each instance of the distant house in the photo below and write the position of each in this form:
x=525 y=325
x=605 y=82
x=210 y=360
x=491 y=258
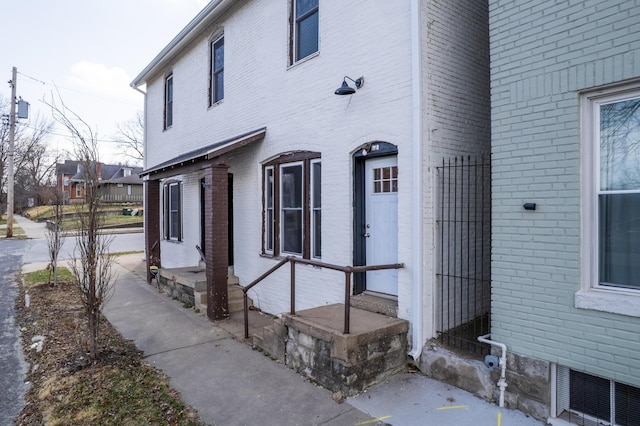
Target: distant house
x=64 y=173
x=123 y=185
x=566 y=207
x=119 y=183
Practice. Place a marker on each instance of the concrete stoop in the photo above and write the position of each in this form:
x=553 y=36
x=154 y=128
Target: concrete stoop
x=312 y=343
x=189 y=285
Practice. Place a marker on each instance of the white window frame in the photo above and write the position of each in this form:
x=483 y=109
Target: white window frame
x=295 y=38
x=303 y=194
x=171 y=234
x=269 y=206
x=315 y=209
x=304 y=159
x=592 y=295
x=168 y=101
x=214 y=89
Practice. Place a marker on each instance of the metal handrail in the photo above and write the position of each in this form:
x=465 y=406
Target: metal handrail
x=348 y=270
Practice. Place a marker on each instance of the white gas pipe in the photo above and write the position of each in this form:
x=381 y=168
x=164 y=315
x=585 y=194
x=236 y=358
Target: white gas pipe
x=502 y=383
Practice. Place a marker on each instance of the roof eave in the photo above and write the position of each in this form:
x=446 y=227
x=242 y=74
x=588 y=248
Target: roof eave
x=202 y=20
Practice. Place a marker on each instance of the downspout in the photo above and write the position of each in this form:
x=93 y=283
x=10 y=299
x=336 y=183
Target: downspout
x=416 y=181
x=502 y=383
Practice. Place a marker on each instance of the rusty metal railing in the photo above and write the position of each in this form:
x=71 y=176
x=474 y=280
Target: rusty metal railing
x=348 y=270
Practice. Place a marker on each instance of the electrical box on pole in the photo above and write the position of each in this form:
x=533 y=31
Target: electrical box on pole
x=23 y=108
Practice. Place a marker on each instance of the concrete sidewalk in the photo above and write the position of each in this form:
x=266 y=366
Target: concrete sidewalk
x=228 y=383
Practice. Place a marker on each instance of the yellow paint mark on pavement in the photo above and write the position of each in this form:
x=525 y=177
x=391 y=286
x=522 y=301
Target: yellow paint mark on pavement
x=450 y=407
x=499 y=418
x=373 y=421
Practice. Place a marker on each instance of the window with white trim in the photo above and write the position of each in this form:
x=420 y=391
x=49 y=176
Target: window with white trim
x=611 y=190
x=292 y=205
x=305 y=32
x=168 y=101
x=173 y=211
x=217 y=71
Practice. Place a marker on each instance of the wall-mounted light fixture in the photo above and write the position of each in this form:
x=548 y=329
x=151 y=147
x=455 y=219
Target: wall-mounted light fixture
x=345 y=89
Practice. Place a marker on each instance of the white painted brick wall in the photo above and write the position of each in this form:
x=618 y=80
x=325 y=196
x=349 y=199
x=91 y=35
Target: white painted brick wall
x=543 y=54
x=297 y=105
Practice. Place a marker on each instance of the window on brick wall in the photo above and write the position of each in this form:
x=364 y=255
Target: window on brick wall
x=173 y=211
x=168 y=101
x=217 y=71
x=304 y=31
x=611 y=194
x=291 y=205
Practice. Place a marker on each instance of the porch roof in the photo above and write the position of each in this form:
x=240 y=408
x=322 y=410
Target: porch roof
x=208 y=152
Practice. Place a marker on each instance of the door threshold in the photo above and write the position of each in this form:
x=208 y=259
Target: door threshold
x=379 y=303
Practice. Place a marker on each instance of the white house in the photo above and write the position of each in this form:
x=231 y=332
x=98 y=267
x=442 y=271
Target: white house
x=252 y=154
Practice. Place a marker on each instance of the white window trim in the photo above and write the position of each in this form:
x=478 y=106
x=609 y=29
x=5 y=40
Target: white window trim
x=591 y=295
x=312 y=223
x=272 y=224
x=212 y=89
x=281 y=207
x=294 y=36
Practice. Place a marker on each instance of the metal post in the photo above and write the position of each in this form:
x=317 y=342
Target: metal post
x=347 y=301
x=293 y=286
x=10 y=154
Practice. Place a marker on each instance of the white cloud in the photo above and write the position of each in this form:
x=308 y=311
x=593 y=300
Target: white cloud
x=101 y=80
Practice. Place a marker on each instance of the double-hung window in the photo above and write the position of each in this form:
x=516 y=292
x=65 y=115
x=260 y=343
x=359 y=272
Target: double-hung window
x=305 y=29
x=217 y=71
x=173 y=211
x=611 y=194
x=292 y=209
x=168 y=101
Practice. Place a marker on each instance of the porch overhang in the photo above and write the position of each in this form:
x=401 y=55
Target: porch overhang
x=202 y=155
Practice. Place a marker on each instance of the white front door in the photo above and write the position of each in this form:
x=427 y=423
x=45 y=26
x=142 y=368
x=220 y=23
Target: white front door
x=381 y=222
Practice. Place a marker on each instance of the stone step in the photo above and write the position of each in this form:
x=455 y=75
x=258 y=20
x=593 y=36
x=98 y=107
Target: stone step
x=272 y=339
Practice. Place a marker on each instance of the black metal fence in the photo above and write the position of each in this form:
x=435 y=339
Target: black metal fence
x=464 y=254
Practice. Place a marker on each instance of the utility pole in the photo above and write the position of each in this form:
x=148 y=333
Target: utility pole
x=12 y=134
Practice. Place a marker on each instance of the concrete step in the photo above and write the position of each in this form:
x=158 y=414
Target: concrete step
x=235 y=299
x=376 y=304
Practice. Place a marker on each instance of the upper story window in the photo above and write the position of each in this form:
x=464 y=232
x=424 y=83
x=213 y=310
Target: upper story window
x=292 y=210
x=611 y=194
x=168 y=101
x=217 y=71
x=305 y=29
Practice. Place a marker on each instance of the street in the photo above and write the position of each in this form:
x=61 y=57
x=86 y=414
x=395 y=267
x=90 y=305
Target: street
x=14 y=253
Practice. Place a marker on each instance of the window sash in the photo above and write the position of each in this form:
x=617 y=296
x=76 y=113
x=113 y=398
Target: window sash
x=616 y=130
x=168 y=101
x=316 y=209
x=217 y=70
x=173 y=211
x=269 y=219
x=306 y=28
x=291 y=208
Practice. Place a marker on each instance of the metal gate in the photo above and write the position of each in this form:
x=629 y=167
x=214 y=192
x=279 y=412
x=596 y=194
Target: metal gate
x=463 y=304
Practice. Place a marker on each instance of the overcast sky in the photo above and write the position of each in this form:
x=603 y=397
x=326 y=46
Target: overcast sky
x=90 y=51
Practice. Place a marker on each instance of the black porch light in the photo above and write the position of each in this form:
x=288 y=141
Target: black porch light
x=345 y=89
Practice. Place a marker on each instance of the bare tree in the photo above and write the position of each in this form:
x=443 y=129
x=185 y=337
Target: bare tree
x=131 y=137
x=92 y=263
x=54 y=237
